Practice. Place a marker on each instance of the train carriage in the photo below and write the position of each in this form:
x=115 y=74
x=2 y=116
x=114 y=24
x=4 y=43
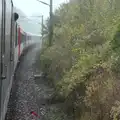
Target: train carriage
x=6 y=53
x=13 y=40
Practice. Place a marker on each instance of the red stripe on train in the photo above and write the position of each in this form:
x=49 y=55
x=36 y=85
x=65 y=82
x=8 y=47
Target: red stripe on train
x=19 y=41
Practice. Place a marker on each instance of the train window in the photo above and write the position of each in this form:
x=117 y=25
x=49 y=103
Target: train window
x=0 y=25
x=23 y=38
x=3 y=28
x=8 y=29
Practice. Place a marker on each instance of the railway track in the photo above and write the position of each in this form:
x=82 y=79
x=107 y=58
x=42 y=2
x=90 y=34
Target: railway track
x=30 y=94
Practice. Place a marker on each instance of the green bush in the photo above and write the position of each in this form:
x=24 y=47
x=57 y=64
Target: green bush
x=84 y=60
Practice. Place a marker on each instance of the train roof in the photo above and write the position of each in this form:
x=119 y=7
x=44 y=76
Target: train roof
x=33 y=34
x=28 y=33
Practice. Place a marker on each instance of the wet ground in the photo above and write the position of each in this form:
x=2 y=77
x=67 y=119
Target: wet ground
x=31 y=94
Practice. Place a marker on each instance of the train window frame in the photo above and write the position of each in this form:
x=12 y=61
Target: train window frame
x=3 y=28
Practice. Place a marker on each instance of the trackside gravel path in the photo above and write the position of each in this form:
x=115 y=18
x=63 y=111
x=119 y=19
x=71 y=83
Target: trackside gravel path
x=30 y=94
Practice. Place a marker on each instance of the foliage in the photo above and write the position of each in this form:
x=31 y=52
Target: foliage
x=84 y=60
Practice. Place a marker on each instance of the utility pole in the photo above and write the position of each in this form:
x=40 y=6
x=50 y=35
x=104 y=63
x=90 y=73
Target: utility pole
x=42 y=25
x=42 y=29
x=51 y=23
x=51 y=20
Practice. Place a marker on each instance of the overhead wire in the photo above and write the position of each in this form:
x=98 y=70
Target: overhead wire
x=27 y=18
x=46 y=3
x=31 y=16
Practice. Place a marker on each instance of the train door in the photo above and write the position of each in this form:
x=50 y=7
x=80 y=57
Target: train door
x=8 y=39
x=3 y=39
x=12 y=42
x=0 y=33
x=2 y=51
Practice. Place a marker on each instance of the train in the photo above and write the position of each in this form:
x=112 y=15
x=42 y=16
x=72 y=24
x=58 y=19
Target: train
x=13 y=41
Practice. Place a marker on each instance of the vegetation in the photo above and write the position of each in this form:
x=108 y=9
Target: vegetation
x=83 y=62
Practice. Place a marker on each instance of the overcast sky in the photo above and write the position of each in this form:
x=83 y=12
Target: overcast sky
x=33 y=7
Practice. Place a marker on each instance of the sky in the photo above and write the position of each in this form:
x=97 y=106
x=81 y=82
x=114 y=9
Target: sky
x=33 y=7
